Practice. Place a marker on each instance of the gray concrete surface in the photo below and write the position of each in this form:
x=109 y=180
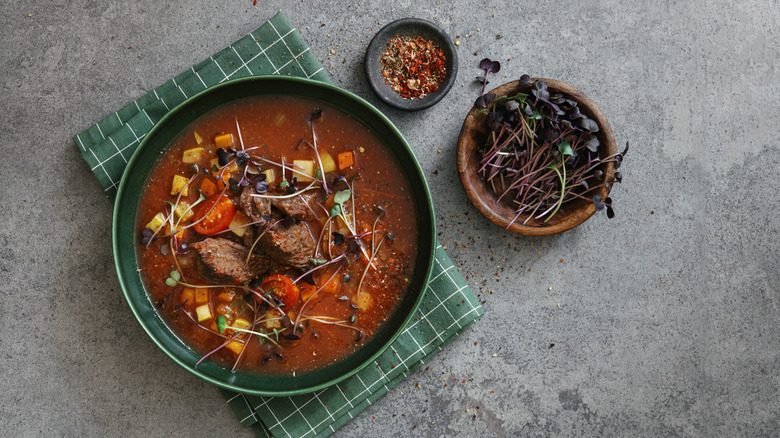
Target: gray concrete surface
x=664 y=321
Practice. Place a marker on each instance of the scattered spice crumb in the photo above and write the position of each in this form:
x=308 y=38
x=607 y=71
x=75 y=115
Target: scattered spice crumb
x=561 y=260
x=457 y=43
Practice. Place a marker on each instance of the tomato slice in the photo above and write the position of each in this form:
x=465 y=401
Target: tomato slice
x=214 y=219
x=283 y=288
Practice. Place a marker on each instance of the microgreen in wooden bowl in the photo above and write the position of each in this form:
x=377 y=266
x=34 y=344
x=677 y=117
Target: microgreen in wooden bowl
x=536 y=156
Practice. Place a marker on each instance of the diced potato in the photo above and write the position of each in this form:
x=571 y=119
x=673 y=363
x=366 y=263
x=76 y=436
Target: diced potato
x=363 y=300
x=180 y=185
x=198 y=138
x=270 y=176
x=241 y=323
x=191 y=156
x=328 y=165
x=274 y=323
x=156 y=222
x=306 y=172
x=203 y=312
x=239 y=219
x=201 y=296
x=187 y=295
x=214 y=162
x=279 y=119
x=226 y=296
x=224 y=141
x=235 y=346
x=183 y=211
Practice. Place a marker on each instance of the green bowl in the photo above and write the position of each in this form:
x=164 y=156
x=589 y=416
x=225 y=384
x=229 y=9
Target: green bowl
x=125 y=232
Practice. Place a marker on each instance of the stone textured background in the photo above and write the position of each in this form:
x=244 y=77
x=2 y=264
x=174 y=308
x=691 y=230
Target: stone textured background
x=669 y=317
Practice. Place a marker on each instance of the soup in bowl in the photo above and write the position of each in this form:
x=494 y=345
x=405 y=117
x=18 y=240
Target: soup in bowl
x=273 y=235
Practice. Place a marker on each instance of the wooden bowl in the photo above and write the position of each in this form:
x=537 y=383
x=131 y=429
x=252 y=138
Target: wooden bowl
x=572 y=213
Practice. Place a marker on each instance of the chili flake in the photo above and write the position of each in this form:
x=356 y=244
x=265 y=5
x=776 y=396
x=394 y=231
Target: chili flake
x=413 y=67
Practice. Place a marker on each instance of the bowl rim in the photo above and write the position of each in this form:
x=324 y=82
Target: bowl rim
x=377 y=46
x=469 y=180
x=425 y=209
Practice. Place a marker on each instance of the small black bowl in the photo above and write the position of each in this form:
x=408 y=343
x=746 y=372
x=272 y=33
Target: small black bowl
x=411 y=27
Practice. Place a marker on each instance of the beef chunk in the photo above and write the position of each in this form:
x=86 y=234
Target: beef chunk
x=291 y=246
x=298 y=207
x=253 y=206
x=224 y=260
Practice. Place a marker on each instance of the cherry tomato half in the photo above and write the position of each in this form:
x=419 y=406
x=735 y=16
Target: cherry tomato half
x=283 y=288
x=214 y=219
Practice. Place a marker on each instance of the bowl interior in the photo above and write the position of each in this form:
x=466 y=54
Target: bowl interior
x=125 y=232
x=409 y=27
x=474 y=132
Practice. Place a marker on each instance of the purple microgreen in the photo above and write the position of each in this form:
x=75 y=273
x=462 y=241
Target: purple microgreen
x=223 y=157
x=610 y=210
x=261 y=186
x=489 y=66
x=314 y=116
x=618 y=177
x=241 y=158
x=340 y=178
x=291 y=336
x=338 y=238
x=524 y=80
x=592 y=144
x=587 y=124
x=484 y=100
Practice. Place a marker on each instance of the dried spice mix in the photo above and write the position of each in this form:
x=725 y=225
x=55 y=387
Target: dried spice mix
x=413 y=67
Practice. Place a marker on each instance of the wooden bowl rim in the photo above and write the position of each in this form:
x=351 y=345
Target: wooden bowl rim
x=493 y=211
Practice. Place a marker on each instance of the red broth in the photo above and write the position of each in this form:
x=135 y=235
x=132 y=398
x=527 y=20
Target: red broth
x=212 y=292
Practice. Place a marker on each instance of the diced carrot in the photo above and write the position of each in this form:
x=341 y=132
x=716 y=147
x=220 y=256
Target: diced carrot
x=226 y=295
x=187 y=296
x=333 y=285
x=224 y=141
x=208 y=187
x=307 y=290
x=201 y=296
x=346 y=160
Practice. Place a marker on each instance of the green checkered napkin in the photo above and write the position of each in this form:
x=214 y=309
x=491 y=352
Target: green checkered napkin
x=449 y=306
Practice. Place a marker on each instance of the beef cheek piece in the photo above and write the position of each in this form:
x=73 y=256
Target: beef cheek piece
x=254 y=206
x=290 y=246
x=224 y=260
x=298 y=207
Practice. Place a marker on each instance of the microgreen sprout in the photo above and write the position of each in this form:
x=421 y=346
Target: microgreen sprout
x=540 y=151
